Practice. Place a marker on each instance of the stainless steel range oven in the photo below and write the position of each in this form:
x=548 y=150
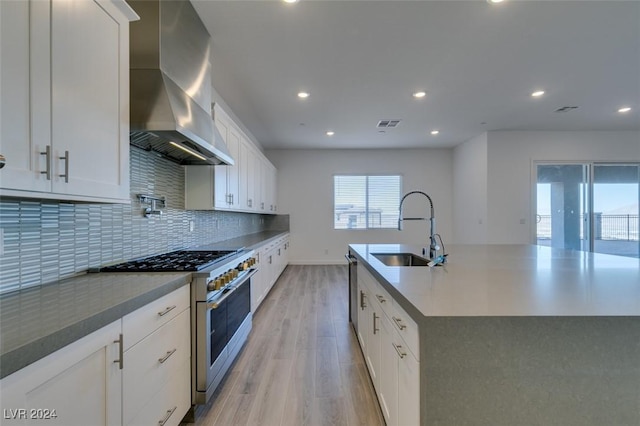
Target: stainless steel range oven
x=220 y=308
x=221 y=302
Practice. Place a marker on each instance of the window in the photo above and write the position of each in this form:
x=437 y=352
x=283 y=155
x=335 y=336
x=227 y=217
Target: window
x=366 y=202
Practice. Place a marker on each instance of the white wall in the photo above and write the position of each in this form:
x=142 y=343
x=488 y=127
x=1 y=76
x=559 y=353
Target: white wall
x=305 y=192
x=470 y=191
x=510 y=186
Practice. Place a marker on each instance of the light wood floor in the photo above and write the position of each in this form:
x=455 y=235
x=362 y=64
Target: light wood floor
x=302 y=364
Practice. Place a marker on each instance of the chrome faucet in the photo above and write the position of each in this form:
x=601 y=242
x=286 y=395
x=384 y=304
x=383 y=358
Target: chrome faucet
x=433 y=247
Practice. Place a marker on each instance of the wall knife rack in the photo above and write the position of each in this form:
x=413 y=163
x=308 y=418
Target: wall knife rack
x=156 y=205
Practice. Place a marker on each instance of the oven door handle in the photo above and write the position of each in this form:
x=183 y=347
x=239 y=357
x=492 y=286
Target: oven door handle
x=214 y=304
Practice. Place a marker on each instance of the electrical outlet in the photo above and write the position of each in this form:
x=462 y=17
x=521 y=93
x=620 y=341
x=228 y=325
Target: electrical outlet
x=522 y=221
x=326 y=251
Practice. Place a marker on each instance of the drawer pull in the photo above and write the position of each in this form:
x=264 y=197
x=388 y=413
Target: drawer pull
x=166 y=418
x=166 y=311
x=398 y=349
x=363 y=304
x=399 y=323
x=375 y=326
x=166 y=357
x=381 y=299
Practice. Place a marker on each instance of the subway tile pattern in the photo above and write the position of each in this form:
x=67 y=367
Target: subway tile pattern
x=45 y=241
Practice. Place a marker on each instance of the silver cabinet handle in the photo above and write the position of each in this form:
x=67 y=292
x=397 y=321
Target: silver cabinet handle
x=166 y=311
x=363 y=304
x=398 y=349
x=47 y=154
x=381 y=299
x=375 y=328
x=166 y=418
x=351 y=259
x=120 y=343
x=166 y=357
x=399 y=323
x=262 y=206
x=66 y=167
x=3 y=161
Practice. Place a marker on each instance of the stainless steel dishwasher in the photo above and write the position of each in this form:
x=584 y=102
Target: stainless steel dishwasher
x=353 y=289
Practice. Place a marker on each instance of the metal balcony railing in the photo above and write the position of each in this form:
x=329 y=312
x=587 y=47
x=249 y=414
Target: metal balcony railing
x=606 y=227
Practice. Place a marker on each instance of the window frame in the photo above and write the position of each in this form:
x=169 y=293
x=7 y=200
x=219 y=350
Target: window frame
x=400 y=176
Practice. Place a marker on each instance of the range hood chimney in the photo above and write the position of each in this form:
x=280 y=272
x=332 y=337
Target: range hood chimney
x=170 y=77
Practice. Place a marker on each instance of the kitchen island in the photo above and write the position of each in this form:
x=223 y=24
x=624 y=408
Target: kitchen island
x=510 y=334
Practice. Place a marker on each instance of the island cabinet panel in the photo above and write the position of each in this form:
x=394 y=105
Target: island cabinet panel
x=65 y=129
x=394 y=368
x=552 y=339
x=79 y=384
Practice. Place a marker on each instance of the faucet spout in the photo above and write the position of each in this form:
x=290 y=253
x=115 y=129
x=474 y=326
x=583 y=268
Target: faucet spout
x=433 y=247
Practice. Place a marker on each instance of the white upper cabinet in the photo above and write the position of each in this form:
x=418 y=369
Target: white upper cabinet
x=65 y=115
x=247 y=186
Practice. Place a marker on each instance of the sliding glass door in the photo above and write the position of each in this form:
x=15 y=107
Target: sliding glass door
x=589 y=206
x=615 y=209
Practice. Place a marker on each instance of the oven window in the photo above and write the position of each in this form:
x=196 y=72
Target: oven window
x=239 y=306
x=218 y=327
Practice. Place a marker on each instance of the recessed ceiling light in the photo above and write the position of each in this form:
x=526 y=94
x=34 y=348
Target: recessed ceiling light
x=495 y=1
x=624 y=109
x=419 y=94
x=435 y=132
x=303 y=95
x=290 y=1
x=537 y=93
x=330 y=133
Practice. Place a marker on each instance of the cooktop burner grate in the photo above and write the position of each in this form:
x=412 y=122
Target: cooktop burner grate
x=181 y=260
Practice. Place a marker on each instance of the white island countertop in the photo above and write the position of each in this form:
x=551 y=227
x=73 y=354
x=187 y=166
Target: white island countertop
x=509 y=280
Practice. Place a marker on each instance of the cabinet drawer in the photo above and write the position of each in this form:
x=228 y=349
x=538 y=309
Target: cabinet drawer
x=171 y=402
x=142 y=322
x=154 y=361
x=406 y=327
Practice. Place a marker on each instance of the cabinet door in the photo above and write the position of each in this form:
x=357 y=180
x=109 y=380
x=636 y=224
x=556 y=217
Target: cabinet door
x=251 y=185
x=363 y=320
x=372 y=356
x=388 y=389
x=221 y=195
x=81 y=382
x=408 y=390
x=89 y=98
x=233 y=172
x=21 y=142
x=244 y=167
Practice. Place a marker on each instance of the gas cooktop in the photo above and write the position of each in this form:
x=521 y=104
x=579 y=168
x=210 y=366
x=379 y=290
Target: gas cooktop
x=181 y=260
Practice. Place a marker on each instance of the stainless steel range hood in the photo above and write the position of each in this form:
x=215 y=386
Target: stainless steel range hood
x=170 y=77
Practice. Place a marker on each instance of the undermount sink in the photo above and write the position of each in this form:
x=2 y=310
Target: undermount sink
x=401 y=259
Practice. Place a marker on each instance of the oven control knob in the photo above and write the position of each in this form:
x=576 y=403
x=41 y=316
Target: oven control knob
x=234 y=273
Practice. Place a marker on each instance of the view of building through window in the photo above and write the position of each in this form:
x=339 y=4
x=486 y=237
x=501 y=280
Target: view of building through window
x=366 y=202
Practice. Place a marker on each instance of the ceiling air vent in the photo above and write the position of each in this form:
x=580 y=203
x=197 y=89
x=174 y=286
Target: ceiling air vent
x=388 y=124
x=566 y=109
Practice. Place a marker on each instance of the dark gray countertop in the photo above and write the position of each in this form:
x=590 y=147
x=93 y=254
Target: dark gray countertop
x=249 y=242
x=36 y=322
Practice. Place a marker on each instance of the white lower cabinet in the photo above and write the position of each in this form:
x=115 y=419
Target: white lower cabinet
x=272 y=258
x=80 y=384
x=156 y=381
x=389 y=341
x=96 y=381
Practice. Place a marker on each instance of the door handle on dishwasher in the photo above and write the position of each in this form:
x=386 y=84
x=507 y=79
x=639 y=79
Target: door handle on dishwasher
x=351 y=259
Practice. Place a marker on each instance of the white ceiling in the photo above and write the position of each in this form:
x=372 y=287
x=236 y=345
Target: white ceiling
x=362 y=60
